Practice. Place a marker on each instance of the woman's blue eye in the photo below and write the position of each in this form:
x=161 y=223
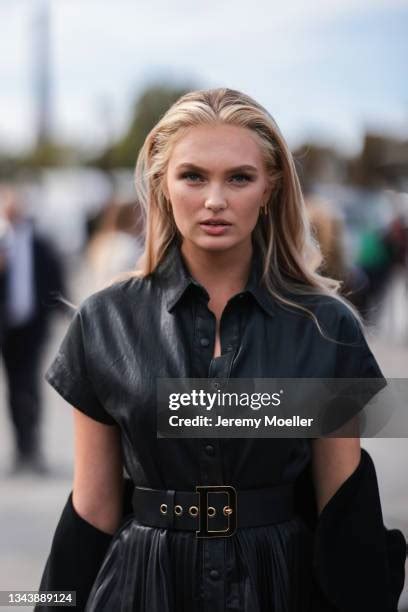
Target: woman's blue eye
x=242 y=176
x=190 y=175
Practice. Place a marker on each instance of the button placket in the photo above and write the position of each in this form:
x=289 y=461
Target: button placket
x=214 y=574
x=229 y=328
x=210 y=452
x=210 y=461
x=203 y=340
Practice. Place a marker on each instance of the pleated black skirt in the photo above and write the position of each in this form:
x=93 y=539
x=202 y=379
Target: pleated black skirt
x=260 y=569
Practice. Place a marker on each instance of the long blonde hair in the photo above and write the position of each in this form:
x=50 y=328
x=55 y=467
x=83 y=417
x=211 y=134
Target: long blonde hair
x=290 y=255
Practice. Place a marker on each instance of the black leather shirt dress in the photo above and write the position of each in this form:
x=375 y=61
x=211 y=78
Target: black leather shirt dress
x=122 y=338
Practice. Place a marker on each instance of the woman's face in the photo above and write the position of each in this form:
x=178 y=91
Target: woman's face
x=217 y=173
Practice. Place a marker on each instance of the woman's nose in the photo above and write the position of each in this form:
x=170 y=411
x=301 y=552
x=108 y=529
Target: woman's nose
x=215 y=199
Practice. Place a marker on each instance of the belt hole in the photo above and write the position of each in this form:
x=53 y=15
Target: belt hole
x=178 y=510
x=193 y=510
x=211 y=511
x=163 y=508
x=227 y=510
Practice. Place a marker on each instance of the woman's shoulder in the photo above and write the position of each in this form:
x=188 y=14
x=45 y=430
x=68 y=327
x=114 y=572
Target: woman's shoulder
x=119 y=294
x=335 y=315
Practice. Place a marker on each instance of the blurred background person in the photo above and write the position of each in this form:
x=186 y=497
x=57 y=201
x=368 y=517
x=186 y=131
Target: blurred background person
x=31 y=276
x=383 y=251
x=330 y=232
x=4 y=245
x=115 y=245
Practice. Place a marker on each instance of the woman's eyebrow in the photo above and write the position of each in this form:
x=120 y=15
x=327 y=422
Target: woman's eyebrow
x=246 y=167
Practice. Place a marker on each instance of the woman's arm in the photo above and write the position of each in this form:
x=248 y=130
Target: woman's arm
x=334 y=459
x=98 y=472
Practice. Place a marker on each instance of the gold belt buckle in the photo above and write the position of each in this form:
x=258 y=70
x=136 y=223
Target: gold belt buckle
x=229 y=510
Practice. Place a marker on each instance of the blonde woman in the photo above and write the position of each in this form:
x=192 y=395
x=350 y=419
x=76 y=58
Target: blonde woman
x=225 y=288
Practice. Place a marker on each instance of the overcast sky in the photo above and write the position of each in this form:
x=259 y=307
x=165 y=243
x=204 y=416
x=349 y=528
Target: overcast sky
x=327 y=70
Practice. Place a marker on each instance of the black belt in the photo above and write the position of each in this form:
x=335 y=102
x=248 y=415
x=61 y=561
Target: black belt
x=213 y=510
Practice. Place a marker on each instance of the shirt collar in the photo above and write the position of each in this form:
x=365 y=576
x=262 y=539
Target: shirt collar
x=176 y=279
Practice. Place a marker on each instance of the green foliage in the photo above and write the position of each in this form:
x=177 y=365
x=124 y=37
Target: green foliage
x=149 y=108
x=47 y=154
x=50 y=154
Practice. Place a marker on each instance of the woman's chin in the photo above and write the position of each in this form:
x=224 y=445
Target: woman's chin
x=217 y=244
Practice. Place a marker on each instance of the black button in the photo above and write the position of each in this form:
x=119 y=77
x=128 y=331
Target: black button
x=214 y=574
x=209 y=449
x=215 y=385
x=204 y=341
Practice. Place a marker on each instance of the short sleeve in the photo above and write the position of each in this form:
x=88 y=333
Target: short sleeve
x=354 y=360
x=354 y=357
x=68 y=374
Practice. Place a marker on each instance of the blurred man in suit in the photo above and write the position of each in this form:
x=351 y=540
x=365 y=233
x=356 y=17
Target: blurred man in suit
x=30 y=279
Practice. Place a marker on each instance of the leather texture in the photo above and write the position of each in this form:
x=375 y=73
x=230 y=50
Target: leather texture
x=126 y=336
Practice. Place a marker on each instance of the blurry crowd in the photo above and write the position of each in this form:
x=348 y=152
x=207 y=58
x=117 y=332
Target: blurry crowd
x=381 y=253
x=33 y=287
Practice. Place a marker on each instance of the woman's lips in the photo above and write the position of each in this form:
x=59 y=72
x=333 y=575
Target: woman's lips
x=214 y=230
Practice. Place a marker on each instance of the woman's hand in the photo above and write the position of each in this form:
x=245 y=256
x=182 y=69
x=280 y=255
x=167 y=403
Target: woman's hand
x=334 y=459
x=98 y=472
